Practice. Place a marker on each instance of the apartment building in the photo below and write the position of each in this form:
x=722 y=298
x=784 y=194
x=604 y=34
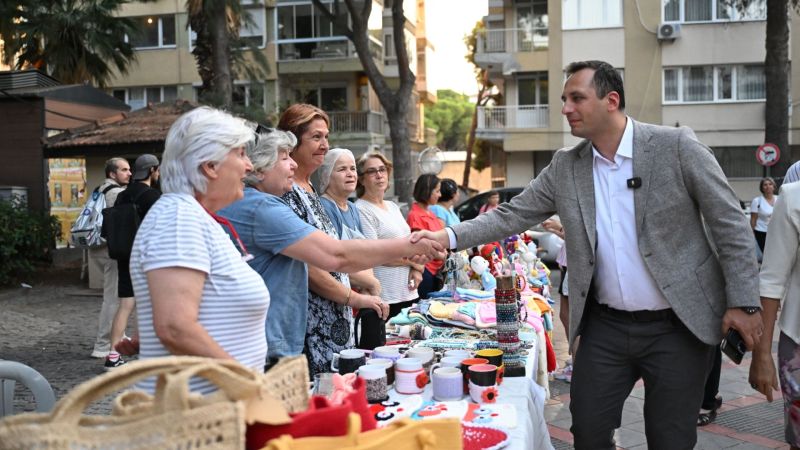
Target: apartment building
x=308 y=62
x=697 y=63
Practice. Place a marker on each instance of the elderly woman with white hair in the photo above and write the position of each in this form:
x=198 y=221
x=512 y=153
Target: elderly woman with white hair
x=337 y=180
x=283 y=244
x=196 y=294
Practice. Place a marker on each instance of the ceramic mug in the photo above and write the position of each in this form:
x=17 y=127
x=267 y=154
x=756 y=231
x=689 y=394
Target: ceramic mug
x=447 y=384
x=483 y=374
x=424 y=354
x=375 y=377
x=495 y=356
x=387 y=364
x=389 y=352
x=448 y=361
x=410 y=377
x=465 y=370
x=458 y=352
x=347 y=361
x=483 y=394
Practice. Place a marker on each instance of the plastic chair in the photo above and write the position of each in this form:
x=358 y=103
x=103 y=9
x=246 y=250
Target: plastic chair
x=12 y=372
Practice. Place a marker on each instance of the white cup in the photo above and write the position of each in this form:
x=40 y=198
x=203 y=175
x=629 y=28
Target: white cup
x=387 y=352
x=387 y=364
x=409 y=375
x=448 y=361
x=463 y=354
x=376 y=383
x=371 y=371
x=424 y=354
x=448 y=384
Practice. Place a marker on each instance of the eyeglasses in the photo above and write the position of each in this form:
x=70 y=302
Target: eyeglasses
x=372 y=171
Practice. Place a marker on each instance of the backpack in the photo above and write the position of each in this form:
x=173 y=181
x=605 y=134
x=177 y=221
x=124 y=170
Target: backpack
x=120 y=223
x=86 y=231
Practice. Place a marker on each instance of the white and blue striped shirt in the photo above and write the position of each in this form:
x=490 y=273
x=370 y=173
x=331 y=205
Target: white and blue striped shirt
x=178 y=232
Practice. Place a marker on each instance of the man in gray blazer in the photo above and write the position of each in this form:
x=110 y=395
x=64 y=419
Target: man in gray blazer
x=649 y=296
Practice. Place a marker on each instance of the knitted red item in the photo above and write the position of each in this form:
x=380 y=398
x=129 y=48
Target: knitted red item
x=320 y=419
x=551 y=354
x=476 y=437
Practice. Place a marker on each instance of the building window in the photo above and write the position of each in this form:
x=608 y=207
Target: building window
x=714 y=83
x=331 y=99
x=712 y=11
x=532 y=89
x=249 y=95
x=738 y=162
x=302 y=21
x=155 y=32
x=577 y=14
x=532 y=21
x=139 y=97
x=253 y=32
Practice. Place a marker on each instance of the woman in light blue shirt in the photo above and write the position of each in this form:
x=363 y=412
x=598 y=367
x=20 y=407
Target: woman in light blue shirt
x=449 y=197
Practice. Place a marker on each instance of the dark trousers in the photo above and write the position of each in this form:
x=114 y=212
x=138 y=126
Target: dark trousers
x=761 y=239
x=614 y=353
x=712 y=382
x=395 y=308
x=428 y=284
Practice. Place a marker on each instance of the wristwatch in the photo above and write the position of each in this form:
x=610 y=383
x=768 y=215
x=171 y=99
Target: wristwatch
x=750 y=309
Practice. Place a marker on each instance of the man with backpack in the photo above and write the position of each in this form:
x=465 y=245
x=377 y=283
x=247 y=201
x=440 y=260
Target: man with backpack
x=120 y=224
x=118 y=173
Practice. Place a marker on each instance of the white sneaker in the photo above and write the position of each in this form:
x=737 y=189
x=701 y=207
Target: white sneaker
x=100 y=354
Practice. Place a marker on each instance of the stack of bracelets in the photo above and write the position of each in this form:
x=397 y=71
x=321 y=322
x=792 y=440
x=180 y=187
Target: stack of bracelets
x=505 y=297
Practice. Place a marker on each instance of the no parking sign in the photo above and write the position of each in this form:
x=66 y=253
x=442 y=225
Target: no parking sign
x=768 y=154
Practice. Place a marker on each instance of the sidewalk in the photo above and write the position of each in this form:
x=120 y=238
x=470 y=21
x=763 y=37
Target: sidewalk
x=745 y=421
x=51 y=327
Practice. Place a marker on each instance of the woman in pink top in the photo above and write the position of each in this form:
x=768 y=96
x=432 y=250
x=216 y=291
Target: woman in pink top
x=491 y=202
x=426 y=193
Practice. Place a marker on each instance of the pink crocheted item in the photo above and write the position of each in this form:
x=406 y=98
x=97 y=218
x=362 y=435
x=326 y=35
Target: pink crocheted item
x=482 y=437
x=342 y=387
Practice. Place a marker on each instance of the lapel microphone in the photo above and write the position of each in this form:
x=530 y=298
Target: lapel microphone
x=634 y=183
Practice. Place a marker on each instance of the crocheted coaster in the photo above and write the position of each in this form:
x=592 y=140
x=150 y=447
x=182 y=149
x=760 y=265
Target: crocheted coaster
x=475 y=437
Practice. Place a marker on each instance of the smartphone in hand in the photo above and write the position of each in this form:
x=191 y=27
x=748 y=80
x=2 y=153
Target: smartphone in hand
x=733 y=345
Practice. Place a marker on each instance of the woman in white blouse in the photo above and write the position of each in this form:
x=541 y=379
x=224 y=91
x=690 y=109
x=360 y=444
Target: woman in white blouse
x=780 y=281
x=761 y=210
x=382 y=219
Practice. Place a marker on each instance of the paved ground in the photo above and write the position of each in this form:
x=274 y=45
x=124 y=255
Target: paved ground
x=51 y=328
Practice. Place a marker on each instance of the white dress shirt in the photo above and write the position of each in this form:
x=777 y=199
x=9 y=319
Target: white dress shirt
x=780 y=272
x=621 y=278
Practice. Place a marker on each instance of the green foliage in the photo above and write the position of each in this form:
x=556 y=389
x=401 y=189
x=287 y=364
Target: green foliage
x=27 y=238
x=481 y=155
x=76 y=41
x=451 y=117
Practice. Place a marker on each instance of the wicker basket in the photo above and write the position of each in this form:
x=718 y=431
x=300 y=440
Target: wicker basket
x=287 y=381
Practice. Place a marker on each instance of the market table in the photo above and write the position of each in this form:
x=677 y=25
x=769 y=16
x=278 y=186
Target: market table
x=528 y=400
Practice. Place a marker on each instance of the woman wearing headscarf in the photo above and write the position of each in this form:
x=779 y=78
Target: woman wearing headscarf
x=282 y=244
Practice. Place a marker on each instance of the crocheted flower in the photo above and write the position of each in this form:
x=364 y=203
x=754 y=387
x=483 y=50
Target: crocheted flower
x=422 y=380
x=489 y=395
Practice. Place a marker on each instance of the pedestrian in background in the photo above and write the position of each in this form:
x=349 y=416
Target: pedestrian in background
x=492 y=201
x=761 y=210
x=420 y=217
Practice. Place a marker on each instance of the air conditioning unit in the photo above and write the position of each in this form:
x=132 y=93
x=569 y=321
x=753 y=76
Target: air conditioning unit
x=669 y=31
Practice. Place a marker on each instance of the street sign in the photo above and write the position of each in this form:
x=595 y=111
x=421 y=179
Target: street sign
x=768 y=154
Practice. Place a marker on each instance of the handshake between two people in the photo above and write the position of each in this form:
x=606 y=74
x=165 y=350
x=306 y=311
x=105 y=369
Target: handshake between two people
x=429 y=245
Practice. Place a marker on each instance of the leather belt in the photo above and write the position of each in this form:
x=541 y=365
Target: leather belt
x=635 y=316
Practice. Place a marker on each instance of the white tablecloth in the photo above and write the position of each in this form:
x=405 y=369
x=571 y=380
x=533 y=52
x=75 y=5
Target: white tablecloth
x=528 y=398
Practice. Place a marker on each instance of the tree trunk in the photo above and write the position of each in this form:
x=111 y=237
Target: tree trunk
x=401 y=152
x=776 y=68
x=222 y=81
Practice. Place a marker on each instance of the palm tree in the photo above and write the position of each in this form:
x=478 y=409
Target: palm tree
x=75 y=41
x=218 y=48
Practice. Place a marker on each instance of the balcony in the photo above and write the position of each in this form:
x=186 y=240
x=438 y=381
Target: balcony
x=494 y=119
x=336 y=47
x=512 y=40
x=357 y=122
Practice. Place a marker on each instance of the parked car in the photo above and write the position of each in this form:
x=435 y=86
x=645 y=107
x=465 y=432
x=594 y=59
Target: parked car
x=549 y=244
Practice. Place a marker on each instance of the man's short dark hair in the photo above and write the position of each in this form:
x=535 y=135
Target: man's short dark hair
x=606 y=78
x=424 y=187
